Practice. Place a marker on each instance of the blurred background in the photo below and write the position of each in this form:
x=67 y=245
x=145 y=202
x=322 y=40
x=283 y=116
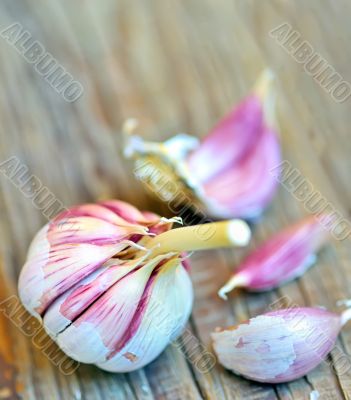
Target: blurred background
x=177 y=66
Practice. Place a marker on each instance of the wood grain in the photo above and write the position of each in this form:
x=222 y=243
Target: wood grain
x=177 y=65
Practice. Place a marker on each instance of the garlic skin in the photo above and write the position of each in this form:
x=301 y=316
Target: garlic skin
x=227 y=174
x=279 y=346
x=98 y=294
x=280 y=259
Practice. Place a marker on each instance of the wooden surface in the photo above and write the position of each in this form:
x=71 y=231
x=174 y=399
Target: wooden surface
x=177 y=65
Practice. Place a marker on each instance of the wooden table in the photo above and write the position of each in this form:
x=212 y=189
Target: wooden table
x=177 y=66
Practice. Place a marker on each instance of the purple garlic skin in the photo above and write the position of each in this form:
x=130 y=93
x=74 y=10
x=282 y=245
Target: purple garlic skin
x=280 y=259
x=279 y=346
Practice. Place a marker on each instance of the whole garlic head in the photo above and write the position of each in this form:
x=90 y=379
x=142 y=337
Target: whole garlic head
x=98 y=292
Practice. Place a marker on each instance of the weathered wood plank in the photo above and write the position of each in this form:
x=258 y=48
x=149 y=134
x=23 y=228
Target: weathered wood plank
x=177 y=66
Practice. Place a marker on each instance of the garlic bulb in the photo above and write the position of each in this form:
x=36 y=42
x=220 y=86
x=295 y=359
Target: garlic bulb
x=283 y=257
x=225 y=175
x=279 y=346
x=109 y=282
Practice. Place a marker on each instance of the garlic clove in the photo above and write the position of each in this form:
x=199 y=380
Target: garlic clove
x=66 y=308
x=227 y=174
x=50 y=273
x=116 y=307
x=238 y=183
x=162 y=319
x=236 y=134
x=281 y=258
x=278 y=346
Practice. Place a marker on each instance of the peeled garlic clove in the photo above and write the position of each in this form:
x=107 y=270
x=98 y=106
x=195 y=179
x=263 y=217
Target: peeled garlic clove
x=109 y=282
x=279 y=346
x=283 y=257
x=228 y=173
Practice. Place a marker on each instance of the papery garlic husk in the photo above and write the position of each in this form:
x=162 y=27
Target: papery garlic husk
x=280 y=259
x=109 y=287
x=227 y=174
x=279 y=346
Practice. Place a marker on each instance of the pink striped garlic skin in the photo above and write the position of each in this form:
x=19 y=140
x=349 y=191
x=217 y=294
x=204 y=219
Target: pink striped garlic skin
x=101 y=304
x=231 y=166
x=279 y=346
x=280 y=259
